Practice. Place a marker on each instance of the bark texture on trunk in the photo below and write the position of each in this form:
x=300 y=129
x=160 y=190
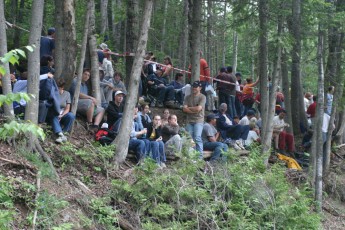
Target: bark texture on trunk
x=34 y=60
x=183 y=44
x=296 y=86
x=82 y=60
x=263 y=56
x=93 y=55
x=131 y=34
x=65 y=41
x=122 y=138
x=286 y=90
x=104 y=17
x=234 y=51
x=6 y=80
x=194 y=42
x=318 y=143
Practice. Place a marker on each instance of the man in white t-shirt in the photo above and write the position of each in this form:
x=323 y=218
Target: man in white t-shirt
x=246 y=119
x=252 y=135
x=281 y=138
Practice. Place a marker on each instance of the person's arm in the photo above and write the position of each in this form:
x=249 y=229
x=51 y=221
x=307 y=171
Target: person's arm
x=167 y=71
x=66 y=110
x=256 y=82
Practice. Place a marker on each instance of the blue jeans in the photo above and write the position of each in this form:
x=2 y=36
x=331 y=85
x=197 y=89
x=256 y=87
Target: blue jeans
x=64 y=125
x=195 y=130
x=217 y=148
x=138 y=146
x=166 y=94
x=157 y=150
x=231 y=106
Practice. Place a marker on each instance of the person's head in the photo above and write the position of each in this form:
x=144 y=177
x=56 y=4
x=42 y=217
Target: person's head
x=13 y=77
x=236 y=119
x=166 y=114
x=157 y=120
x=172 y=120
x=222 y=70
x=229 y=69
x=117 y=76
x=178 y=77
x=153 y=58
x=118 y=97
x=167 y=60
x=212 y=119
x=145 y=109
x=252 y=125
x=196 y=87
x=61 y=83
x=249 y=80
x=47 y=60
x=86 y=75
x=238 y=75
x=159 y=72
x=51 y=31
x=331 y=89
x=282 y=114
x=308 y=96
x=223 y=108
x=250 y=113
x=314 y=98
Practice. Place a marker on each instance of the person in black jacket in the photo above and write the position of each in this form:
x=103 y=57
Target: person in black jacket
x=154 y=135
x=115 y=109
x=171 y=138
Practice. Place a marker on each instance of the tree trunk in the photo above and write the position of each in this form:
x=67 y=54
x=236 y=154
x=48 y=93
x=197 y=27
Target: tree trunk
x=195 y=23
x=234 y=52
x=296 y=86
x=96 y=93
x=104 y=17
x=82 y=60
x=318 y=125
x=17 y=32
x=34 y=60
x=224 y=36
x=276 y=78
x=122 y=138
x=6 y=79
x=164 y=25
x=131 y=35
x=263 y=55
x=209 y=33
x=65 y=41
x=183 y=44
x=286 y=91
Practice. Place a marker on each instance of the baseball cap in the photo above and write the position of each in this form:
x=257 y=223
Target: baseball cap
x=119 y=92
x=197 y=84
x=211 y=116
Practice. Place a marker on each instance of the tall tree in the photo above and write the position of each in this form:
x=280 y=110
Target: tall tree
x=34 y=60
x=166 y=3
x=286 y=90
x=318 y=143
x=65 y=40
x=19 y=20
x=131 y=34
x=122 y=138
x=194 y=20
x=234 y=51
x=6 y=80
x=82 y=59
x=93 y=54
x=183 y=42
x=263 y=59
x=296 y=86
x=104 y=17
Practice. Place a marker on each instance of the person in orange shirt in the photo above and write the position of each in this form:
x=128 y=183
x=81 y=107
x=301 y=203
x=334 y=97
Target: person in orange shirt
x=248 y=95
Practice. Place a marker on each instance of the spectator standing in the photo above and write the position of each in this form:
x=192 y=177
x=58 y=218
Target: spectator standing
x=194 y=107
x=329 y=100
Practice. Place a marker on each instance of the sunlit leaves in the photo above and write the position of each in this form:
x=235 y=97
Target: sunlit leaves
x=12 y=97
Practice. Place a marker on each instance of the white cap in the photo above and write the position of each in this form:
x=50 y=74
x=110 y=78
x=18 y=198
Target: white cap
x=104 y=126
x=119 y=92
x=103 y=46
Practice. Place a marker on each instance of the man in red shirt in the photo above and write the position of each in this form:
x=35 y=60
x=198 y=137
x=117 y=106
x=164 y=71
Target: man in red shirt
x=311 y=111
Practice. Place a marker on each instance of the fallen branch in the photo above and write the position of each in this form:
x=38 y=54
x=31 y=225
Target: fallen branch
x=38 y=184
x=19 y=163
x=339 y=146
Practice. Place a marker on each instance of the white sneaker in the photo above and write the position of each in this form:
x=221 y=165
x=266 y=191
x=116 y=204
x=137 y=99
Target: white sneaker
x=239 y=143
x=163 y=165
x=61 y=138
x=236 y=147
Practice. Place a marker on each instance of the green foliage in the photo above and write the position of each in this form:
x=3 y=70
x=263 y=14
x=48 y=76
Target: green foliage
x=13 y=57
x=239 y=194
x=14 y=128
x=103 y=213
x=7 y=210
